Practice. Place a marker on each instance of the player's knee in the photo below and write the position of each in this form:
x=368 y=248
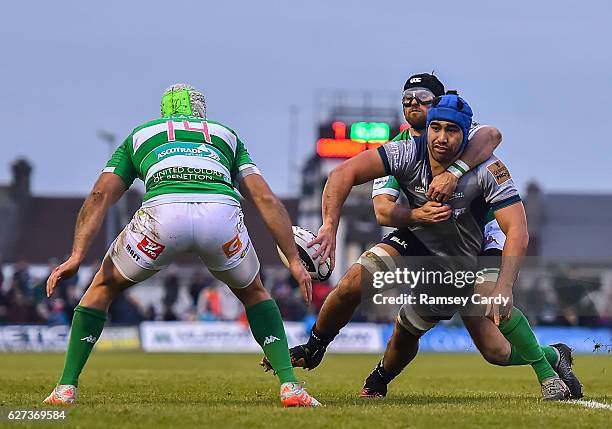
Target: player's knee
x=98 y=296
x=254 y=293
x=495 y=354
x=375 y=260
x=106 y=285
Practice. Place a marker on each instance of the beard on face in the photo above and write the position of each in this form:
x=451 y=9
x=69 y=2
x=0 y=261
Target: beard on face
x=417 y=120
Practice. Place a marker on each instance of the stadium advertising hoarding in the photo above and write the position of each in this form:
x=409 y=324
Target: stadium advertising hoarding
x=236 y=337
x=227 y=337
x=41 y=338
x=119 y=338
x=38 y=338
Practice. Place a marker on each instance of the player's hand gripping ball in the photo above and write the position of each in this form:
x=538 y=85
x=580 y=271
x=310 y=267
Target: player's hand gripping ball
x=318 y=269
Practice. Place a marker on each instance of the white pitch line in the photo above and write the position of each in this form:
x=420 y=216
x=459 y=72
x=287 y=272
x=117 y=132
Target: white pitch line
x=589 y=404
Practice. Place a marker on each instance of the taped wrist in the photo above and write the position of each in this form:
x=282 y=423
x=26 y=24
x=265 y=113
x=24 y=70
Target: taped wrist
x=458 y=168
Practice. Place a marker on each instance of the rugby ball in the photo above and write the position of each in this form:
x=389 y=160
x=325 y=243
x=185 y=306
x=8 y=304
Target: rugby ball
x=318 y=270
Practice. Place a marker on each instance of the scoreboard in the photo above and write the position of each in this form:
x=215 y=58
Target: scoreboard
x=339 y=140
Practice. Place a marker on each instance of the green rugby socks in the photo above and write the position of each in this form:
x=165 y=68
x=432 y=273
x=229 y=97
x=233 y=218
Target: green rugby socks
x=87 y=325
x=525 y=346
x=551 y=355
x=268 y=330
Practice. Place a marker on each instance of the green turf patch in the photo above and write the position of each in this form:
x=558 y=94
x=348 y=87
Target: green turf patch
x=130 y=390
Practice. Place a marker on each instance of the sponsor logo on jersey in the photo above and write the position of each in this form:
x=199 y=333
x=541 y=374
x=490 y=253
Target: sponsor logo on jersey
x=189 y=151
x=380 y=182
x=420 y=189
x=458 y=212
x=499 y=171
x=233 y=246
x=456 y=195
x=188 y=173
x=132 y=253
x=400 y=242
x=270 y=339
x=150 y=247
x=89 y=339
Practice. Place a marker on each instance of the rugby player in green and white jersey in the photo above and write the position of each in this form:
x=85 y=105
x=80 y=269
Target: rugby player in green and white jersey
x=517 y=345
x=191 y=168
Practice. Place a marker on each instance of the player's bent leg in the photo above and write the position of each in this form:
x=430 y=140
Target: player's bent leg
x=107 y=283
x=87 y=324
x=499 y=347
x=133 y=257
x=340 y=305
x=400 y=351
x=514 y=343
x=267 y=327
x=489 y=341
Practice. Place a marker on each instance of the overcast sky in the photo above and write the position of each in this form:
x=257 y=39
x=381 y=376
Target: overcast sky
x=539 y=71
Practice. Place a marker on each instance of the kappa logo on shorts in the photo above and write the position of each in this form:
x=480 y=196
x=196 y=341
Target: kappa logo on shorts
x=240 y=224
x=499 y=171
x=150 y=247
x=232 y=247
x=491 y=240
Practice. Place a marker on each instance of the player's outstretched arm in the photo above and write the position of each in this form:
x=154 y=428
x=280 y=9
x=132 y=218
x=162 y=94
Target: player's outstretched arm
x=513 y=223
x=390 y=213
x=277 y=220
x=107 y=190
x=355 y=171
x=482 y=144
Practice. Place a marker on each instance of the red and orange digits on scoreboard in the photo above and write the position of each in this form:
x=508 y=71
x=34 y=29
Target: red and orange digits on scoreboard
x=363 y=136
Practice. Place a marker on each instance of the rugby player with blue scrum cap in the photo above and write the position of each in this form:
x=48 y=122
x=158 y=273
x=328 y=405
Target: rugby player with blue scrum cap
x=414 y=163
x=510 y=343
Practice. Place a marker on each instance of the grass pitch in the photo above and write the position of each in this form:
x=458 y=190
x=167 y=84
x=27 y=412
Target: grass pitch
x=217 y=391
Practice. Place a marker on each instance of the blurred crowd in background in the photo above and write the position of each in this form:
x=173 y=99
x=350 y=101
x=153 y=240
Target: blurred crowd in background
x=565 y=297
x=195 y=296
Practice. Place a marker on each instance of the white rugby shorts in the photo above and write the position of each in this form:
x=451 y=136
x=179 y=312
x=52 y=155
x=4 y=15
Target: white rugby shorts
x=213 y=231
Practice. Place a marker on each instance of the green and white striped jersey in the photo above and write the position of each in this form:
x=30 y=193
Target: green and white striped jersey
x=388 y=185
x=183 y=159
